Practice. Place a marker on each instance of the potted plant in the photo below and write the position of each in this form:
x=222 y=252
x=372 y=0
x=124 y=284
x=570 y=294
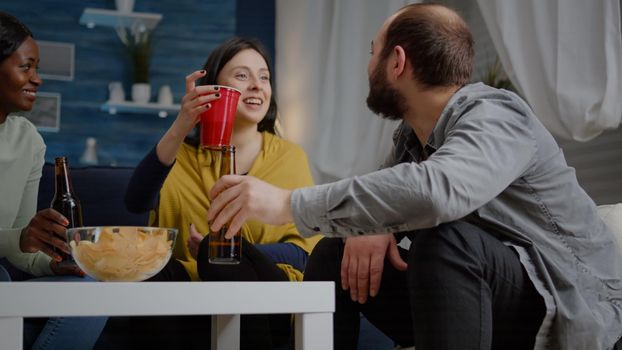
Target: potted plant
x=137 y=40
x=496 y=76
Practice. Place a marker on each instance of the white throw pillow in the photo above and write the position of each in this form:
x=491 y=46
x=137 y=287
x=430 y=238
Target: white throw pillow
x=612 y=215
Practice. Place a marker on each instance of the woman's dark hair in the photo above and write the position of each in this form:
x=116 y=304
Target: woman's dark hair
x=437 y=42
x=12 y=34
x=219 y=58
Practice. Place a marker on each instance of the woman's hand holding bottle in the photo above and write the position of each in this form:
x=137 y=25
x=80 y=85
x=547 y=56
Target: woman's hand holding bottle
x=44 y=233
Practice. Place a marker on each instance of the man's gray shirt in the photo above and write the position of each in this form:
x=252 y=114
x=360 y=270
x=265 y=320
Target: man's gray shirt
x=495 y=165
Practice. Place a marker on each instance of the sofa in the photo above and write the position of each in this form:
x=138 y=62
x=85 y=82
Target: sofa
x=100 y=190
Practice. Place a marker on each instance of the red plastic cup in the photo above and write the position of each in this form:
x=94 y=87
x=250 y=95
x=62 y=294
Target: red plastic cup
x=217 y=122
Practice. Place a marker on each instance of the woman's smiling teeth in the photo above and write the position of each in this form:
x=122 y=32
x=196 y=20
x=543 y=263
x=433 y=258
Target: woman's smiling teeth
x=30 y=92
x=253 y=101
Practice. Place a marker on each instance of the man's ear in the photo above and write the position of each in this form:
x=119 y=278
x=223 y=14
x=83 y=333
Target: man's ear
x=399 y=61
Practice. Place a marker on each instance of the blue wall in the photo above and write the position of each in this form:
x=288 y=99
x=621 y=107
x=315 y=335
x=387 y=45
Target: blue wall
x=256 y=19
x=189 y=30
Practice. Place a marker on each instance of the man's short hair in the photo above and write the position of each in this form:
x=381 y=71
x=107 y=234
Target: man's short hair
x=437 y=42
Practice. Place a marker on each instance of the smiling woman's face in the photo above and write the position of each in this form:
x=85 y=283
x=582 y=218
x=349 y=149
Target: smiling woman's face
x=20 y=81
x=248 y=72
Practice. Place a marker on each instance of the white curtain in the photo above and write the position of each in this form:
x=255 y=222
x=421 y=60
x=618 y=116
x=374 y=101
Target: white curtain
x=322 y=51
x=565 y=56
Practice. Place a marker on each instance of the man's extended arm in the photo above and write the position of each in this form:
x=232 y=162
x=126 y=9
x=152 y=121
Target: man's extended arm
x=485 y=150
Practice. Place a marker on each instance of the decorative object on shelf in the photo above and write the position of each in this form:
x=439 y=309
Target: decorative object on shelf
x=115 y=91
x=141 y=92
x=125 y=6
x=89 y=157
x=165 y=95
x=137 y=40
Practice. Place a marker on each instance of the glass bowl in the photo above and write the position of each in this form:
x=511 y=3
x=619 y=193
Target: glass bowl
x=121 y=253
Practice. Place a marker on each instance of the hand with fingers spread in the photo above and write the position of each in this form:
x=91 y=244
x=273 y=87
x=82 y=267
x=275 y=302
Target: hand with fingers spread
x=196 y=101
x=363 y=262
x=194 y=241
x=45 y=232
x=236 y=199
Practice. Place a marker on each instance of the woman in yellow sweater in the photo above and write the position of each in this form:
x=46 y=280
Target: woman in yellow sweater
x=174 y=178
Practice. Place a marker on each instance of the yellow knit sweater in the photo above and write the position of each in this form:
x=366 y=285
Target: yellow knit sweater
x=183 y=197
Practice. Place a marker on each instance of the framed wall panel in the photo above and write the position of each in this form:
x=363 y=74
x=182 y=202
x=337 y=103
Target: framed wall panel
x=45 y=113
x=57 y=60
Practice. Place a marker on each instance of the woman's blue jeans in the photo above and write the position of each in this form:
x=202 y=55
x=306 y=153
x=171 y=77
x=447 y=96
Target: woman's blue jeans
x=4 y=275
x=62 y=332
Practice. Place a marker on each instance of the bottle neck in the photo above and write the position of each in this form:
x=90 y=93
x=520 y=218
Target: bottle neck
x=63 y=183
x=227 y=161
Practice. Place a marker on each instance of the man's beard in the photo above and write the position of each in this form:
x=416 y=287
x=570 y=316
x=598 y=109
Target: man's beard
x=383 y=99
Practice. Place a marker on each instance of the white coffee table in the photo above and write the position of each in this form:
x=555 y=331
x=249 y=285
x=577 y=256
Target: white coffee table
x=312 y=303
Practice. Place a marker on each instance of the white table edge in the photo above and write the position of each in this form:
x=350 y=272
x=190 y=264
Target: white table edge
x=312 y=302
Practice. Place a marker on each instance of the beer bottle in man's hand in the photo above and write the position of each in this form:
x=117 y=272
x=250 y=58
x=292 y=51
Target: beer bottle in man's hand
x=65 y=201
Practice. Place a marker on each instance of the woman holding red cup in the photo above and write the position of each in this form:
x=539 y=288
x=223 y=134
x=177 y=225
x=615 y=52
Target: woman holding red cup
x=174 y=178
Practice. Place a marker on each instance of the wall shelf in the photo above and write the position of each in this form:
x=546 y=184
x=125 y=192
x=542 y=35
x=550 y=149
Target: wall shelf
x=144 y=21
x=136 y=22
x=163 y=111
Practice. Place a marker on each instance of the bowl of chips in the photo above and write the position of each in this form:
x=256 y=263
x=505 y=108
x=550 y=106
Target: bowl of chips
x=121 y=253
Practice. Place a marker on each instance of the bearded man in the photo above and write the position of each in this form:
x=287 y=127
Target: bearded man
x=507 y=250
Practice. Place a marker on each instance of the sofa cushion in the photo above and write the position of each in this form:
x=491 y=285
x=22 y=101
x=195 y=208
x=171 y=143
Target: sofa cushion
x=100 y=189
